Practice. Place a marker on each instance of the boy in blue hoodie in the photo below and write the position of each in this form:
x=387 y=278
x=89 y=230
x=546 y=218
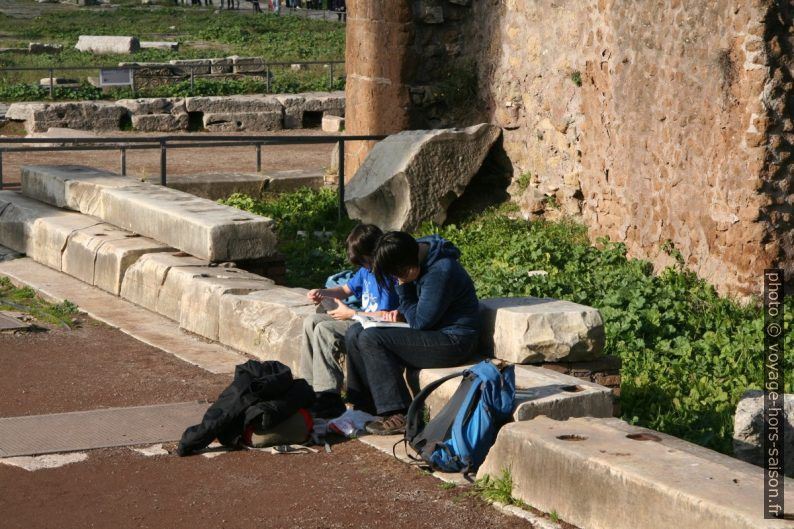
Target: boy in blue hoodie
x=438 y=301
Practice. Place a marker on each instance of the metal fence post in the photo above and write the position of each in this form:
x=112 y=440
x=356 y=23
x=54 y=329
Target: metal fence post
x=267 y=78
x=163 y=162
x=258 y=157
x=331 y=76
x=192 y=79
x=123 y=160
x=1 y=169
x=341 y=172
x=52 y=88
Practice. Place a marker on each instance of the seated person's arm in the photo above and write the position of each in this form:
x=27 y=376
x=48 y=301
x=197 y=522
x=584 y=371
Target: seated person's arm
x=340 y=292
x=424 y=311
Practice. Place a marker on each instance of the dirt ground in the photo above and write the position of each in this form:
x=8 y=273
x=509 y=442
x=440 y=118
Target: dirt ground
x=95 y=366
x=145 y=164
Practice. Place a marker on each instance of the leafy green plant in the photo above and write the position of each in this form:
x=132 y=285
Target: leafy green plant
x=576 y=77
x=523 y=182
x=498 y=489
x=554 y=517
x=24 y=299
x=687 y=353
x=308 y=232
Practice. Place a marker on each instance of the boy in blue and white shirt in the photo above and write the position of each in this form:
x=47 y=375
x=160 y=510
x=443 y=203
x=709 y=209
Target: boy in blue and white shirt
x=323 y=334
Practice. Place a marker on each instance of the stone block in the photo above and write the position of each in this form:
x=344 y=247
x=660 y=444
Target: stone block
x=221 y=66
x=142 y=284
x=215 y=186
x=159 y=45
x=607 y=474
x=188 y=66
x=291 y=180
x=247 y=64
x=151 y=105
x=414 y=176
x=84 y=115
x=108 y=44
x=333 y=124
x=59 y=82
x=266 y=324
x=243 y=121
x=192 y=295
x=101 y=254
x=160 y=122
x=194 y=225
x=40 y=47
x=233 y=104
x=538 y=392
x=748 y=429
x=526 y=330
x=295 y=105
x=38 y=230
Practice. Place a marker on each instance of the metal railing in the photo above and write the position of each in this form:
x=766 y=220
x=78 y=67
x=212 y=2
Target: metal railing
x=267 y=71
x=163 y=143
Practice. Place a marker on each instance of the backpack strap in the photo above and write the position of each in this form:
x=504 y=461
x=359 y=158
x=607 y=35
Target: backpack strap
x=414 y=417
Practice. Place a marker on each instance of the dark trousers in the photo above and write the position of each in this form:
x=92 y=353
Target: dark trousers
x=377 y=357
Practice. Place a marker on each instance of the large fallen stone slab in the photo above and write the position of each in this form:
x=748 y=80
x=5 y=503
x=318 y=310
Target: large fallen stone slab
x=83 y=115
x=266 y=324
x=108 y=44
x=414 y=176
x=748 y=429
x=194 y=225
x=607 y=474
x=530 y=330
x=539 y=391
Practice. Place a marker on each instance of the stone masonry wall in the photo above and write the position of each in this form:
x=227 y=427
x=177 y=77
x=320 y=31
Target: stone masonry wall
x=651 y=121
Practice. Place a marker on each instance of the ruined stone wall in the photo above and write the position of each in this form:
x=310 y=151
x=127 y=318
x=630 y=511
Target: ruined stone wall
x=676 y=136
x=654 y=120
x=651 y=120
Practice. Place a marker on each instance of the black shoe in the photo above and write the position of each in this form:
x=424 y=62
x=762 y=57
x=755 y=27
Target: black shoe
x=329 y=405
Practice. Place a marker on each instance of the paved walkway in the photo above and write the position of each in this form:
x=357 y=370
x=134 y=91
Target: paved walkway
x=138 y=322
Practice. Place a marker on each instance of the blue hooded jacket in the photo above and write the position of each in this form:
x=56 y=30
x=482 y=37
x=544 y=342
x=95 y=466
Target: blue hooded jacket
x=442 y=298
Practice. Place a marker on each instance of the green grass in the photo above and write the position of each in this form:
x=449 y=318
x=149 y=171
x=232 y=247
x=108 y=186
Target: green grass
x=201 y=34
x=688 y=354
x=25 y=300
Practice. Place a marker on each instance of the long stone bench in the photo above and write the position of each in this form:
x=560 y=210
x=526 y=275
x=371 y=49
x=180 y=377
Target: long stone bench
x=194 y=225
x=607 y=474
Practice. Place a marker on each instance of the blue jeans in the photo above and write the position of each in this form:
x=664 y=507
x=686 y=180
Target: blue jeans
x=377 y=357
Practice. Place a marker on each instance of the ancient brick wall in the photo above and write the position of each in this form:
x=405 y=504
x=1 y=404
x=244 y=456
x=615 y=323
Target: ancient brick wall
x=651 y=120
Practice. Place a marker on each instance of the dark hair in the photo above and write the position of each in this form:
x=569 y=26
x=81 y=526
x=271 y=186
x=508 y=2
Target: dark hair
x=361 y=243
x=396 y=251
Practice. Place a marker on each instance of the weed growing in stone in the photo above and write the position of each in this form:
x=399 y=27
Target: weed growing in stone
x=688 y=354
x=576 y=77
x=499 y=489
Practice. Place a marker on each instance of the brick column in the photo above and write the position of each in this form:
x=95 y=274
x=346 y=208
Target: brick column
x=379 y=63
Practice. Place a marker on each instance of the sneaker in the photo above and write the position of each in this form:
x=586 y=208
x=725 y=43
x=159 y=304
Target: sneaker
x=393 y=424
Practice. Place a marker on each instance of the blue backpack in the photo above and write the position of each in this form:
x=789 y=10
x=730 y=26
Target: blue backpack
x=339 y=279
x=458 y=438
